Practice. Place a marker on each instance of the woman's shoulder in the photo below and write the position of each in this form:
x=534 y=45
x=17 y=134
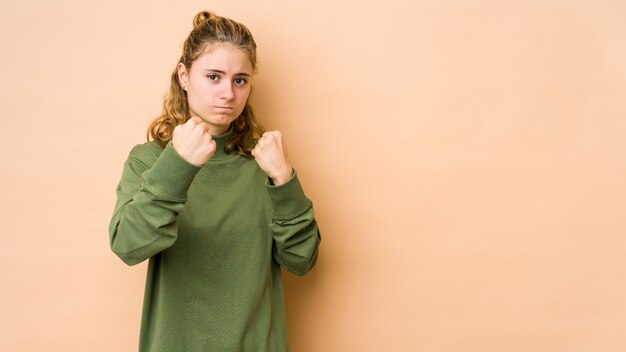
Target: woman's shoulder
x=146 y=153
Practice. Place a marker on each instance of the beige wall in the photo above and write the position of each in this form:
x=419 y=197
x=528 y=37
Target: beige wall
x=466 y=160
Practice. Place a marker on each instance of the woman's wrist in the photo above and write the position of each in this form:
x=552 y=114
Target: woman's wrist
x=282 y=177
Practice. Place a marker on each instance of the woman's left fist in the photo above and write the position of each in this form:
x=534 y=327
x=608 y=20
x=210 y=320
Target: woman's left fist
x=270 y=154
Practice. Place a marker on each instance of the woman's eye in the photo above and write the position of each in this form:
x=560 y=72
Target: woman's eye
x=212 y=76
x=241 y=81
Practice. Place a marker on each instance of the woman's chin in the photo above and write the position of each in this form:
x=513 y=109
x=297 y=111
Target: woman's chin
x=218 y=124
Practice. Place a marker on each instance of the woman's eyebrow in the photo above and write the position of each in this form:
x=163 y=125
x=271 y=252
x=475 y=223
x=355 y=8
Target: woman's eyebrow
x=223 y=72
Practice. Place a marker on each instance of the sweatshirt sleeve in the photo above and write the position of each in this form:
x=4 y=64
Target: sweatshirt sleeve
x=294 y=229
x=150 y=194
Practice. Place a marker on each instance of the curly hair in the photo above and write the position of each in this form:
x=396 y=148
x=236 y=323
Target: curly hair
x=208 y=29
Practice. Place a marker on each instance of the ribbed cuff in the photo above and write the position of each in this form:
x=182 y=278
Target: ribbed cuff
x=171 y=174
x=288 y=199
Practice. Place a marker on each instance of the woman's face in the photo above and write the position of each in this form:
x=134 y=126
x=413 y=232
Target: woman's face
x=218 y=85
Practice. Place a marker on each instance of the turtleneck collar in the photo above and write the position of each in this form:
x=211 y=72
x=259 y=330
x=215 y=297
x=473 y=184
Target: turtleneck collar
x=221 y=141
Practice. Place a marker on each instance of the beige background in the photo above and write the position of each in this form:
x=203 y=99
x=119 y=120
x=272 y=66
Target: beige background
x=466 y=160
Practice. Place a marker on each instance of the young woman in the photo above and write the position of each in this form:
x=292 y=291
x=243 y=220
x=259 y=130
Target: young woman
x=215 y=206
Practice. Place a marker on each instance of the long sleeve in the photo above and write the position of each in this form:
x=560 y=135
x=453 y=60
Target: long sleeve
x=294 y=229
x=150 y=194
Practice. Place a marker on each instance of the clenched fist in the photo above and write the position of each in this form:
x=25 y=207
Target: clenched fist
x=193 y=141
x=269 y=153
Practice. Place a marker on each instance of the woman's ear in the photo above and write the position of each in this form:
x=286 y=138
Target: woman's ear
x=183 y=76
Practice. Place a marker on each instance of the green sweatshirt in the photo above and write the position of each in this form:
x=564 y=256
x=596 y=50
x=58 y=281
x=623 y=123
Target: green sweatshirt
x=216 y=237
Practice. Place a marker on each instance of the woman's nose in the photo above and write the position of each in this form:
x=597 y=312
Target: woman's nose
x=227 y=91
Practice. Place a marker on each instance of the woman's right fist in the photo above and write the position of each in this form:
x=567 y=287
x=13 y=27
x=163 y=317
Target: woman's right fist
x=193 y=142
